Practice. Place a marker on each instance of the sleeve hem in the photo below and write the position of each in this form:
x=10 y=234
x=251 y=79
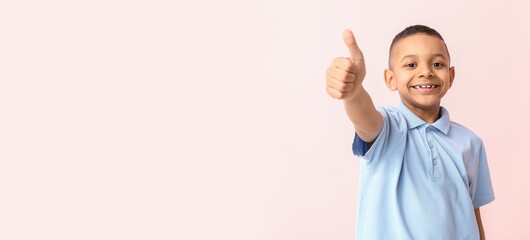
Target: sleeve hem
x=483 y=202
x=360 y=147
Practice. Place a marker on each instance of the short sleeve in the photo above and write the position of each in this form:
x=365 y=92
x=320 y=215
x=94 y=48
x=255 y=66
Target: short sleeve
x=361 y=148
x=481 y=189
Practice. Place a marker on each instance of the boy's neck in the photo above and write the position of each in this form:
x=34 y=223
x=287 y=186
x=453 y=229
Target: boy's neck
x=429 y=115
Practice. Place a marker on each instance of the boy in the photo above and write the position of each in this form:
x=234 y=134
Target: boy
x=422 y=176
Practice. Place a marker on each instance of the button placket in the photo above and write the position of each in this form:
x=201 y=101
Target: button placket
x=435 y=169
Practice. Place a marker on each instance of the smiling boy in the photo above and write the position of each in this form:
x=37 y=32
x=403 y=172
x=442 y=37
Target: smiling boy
x=422 y=175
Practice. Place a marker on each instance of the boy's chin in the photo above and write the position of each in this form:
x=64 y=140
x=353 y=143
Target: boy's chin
x=424 y=103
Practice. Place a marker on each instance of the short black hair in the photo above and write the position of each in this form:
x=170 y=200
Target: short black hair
x=415 y=29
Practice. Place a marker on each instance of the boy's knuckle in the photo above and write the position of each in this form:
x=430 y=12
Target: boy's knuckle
x=350 y=77
x=342 y=87
x=336 y=61
x=342 y=75
x=351 y=68
x=348 y=86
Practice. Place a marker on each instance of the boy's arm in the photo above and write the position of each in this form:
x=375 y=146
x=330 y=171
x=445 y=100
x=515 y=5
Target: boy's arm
x=344 y=81
x=366 y=120
x=479 y=223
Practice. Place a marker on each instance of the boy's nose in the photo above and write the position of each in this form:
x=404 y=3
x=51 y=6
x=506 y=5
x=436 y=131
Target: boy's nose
x=426 y=74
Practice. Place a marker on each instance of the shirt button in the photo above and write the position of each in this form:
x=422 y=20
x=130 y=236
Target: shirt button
x=431 y=144
x=434 y=162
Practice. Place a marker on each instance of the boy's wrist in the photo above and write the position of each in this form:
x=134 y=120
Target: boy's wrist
x=357 y=96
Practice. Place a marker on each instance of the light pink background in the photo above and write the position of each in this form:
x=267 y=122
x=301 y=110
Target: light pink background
x=209 y=120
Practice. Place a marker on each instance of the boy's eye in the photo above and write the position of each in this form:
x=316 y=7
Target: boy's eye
x=410 y=65
x=438 y=64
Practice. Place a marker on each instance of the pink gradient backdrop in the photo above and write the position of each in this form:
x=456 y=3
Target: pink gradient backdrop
x=209 y=120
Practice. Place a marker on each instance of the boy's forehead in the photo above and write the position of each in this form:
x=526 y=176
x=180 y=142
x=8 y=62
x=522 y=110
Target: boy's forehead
x=419 y=44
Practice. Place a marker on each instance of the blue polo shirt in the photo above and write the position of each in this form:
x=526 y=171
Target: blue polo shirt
x=421 y=180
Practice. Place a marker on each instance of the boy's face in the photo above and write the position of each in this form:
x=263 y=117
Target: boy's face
x=420 y=71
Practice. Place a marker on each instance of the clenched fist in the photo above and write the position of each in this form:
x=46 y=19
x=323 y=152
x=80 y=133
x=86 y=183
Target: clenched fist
x=345 y=75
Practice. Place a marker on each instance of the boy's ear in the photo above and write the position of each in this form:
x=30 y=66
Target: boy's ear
x=451 y=75
x=390 y=80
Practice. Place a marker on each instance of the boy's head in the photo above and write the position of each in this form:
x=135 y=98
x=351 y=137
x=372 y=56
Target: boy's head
x=415 y=29
x=419 y=68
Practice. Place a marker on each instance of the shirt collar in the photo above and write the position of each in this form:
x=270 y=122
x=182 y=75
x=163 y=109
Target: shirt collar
x=443 y=123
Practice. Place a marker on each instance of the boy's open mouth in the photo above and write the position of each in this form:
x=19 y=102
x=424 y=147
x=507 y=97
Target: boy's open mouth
x=425 y=86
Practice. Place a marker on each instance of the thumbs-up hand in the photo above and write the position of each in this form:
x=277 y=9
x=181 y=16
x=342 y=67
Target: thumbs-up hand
x=345 y=75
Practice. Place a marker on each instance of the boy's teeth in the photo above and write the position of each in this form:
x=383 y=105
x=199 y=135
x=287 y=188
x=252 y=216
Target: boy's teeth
x=425 y=86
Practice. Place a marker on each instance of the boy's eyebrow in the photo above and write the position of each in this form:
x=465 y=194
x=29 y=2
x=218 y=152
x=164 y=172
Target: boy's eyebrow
x=407 y=56
x=413 y=56
x=439 y=55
